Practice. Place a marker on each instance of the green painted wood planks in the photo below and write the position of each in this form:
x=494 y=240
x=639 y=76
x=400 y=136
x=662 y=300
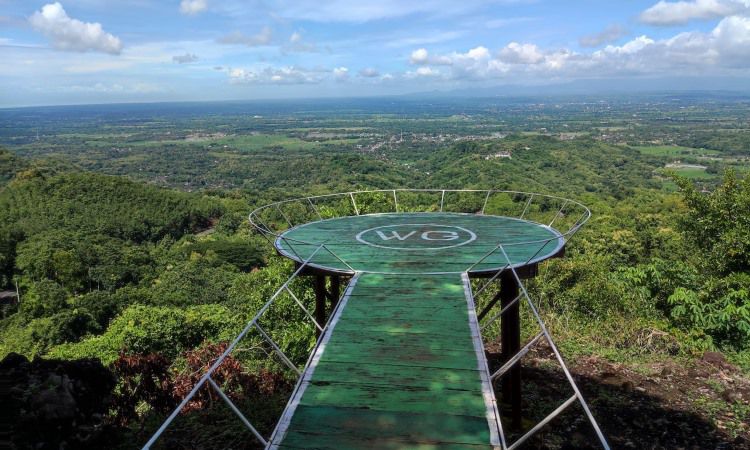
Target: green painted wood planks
x=400 y=367
x=419 y=242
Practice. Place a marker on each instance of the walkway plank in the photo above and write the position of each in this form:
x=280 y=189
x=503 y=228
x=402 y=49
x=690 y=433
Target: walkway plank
x=401 y=366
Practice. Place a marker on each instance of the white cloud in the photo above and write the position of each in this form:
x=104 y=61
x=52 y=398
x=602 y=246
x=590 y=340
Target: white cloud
x=66 y=33
x=277 y=75
x=723 y=51
x=263 y=37
x=515 y=53
x=193 y=7
x=185 y=59
x=422 y=71
x=134 y=88
x=419 y=56
x=297 y=44
x=341 y=73
x=676 y=13
x=369 y=72
x=609 y=34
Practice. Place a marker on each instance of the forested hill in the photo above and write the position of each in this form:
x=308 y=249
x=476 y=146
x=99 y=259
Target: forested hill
x=119 y=270
x=91 y=203
x=54 y=224
x=9 y=165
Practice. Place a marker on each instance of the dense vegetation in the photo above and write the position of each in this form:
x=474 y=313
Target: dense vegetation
x=153 y=282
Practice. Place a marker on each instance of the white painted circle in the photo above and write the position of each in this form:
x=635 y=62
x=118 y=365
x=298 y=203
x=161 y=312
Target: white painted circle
x=472 y=236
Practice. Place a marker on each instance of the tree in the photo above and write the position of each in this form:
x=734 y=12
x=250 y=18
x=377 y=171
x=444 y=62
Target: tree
x=718 y=223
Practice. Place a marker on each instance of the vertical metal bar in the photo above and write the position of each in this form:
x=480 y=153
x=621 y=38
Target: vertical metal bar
x=335 y=291
x=237 y=411
x=442 y=199
x=395 y=200
x=319 y=287
x=356 y=210
x=276 y=348
x=309 y=200
x=309 y=314
x=486 y=199
x=510 y=337
x=558 y=213
x=552 y=345
x=223 y=356
x=525 y=208
x=278 y=208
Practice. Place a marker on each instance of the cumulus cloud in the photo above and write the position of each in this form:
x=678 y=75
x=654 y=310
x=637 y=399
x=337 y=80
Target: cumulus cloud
x=725 y=50
x=341 y=73
x=185 y=59
x=515 y=53
x=66 y=33
x=263 y=37
x=676 y=13
x=193 y=7
x=422 y=56
x=277 y=75
x=419 y=56
x=369 y=72
x=609 y=34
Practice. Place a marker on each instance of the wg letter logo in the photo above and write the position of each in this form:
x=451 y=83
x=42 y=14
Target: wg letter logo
x=416 y=236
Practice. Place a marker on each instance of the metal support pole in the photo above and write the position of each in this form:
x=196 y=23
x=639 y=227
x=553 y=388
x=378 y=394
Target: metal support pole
x=510 y=336
x=320 y=300
x=335 y=291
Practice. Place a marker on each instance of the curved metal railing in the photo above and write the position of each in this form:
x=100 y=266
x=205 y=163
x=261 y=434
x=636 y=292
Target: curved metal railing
x=274 y=219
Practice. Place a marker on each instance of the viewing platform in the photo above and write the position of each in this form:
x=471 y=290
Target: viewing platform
x=399 y=360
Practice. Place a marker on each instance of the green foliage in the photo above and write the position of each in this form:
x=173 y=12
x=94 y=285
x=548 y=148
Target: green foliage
x=104 y=306
x=718 y=223
x=720 y=309
x=35 y=337
x=197 y=280
x=240 y=252
x=154 y=329
x=98 y=204
x=43 y=298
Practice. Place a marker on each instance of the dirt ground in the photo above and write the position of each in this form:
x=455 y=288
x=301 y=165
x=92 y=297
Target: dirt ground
x=699 y=404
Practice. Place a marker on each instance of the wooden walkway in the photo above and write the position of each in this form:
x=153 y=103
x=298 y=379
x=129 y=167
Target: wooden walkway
x=401 y=366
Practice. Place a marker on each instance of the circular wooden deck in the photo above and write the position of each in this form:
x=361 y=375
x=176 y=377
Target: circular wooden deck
x=420 y=243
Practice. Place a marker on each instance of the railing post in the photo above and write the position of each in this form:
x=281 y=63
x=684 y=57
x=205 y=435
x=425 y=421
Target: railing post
x=510 y=338
x=320 y=301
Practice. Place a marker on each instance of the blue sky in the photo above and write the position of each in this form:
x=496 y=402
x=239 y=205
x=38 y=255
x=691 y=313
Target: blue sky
x=91 y=51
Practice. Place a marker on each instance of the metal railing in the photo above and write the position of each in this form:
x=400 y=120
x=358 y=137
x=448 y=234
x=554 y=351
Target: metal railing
x=252 y=325
x=518 y=356
x=274 y=219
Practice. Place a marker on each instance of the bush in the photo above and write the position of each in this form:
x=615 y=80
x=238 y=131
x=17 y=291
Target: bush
x=155 y=329
x=721 y=310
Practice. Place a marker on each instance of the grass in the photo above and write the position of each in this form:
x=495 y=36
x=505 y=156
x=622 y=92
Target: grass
x=694 y=173
x=673 y=150
x=259 y=141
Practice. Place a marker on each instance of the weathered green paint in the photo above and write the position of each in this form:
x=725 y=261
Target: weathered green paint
x=402 y=365
x=399 y=369
x=522 y=240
